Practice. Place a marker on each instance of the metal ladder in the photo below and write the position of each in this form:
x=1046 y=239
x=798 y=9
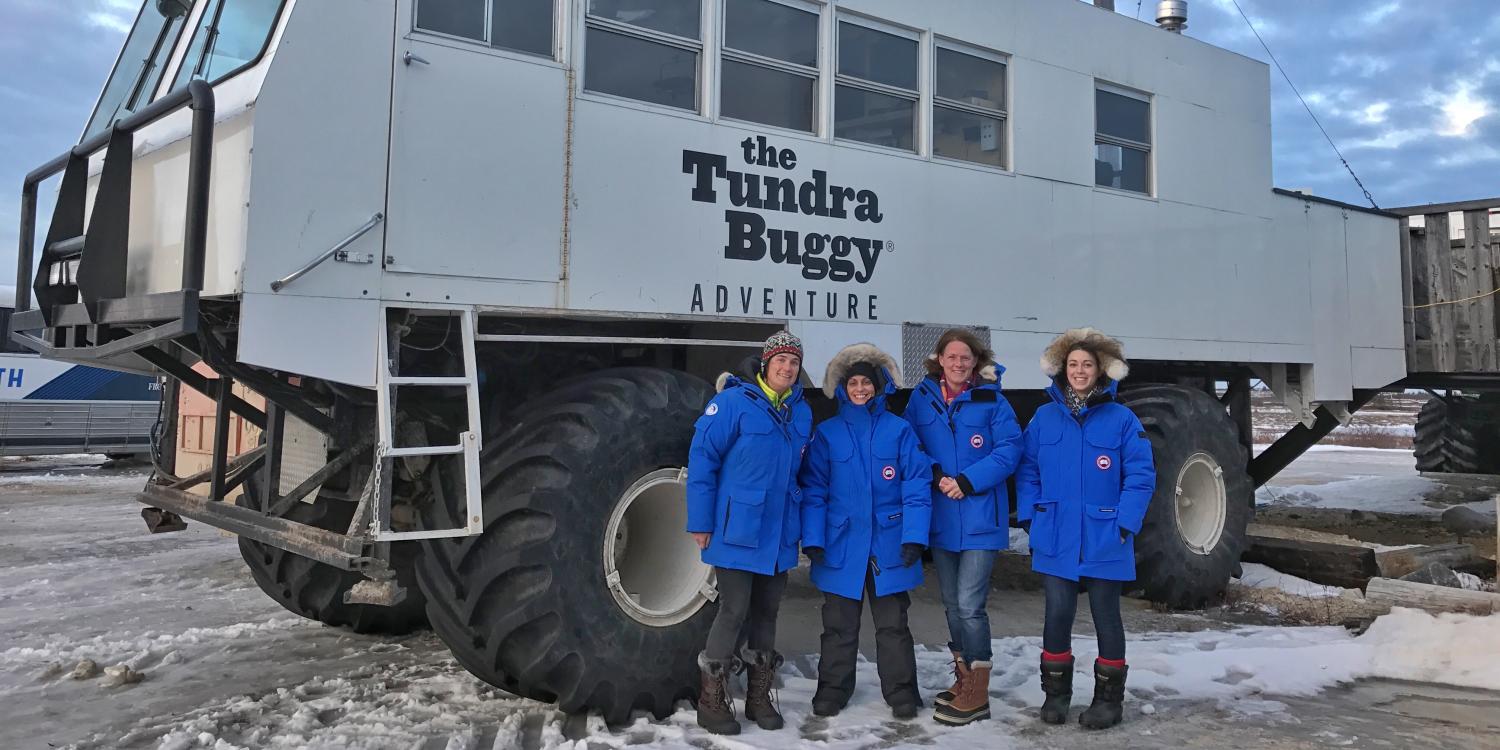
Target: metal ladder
x=386 y=451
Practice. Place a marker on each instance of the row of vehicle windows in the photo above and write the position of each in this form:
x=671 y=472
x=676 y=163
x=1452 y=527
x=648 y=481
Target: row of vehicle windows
x=770 y=66
x=226 y=36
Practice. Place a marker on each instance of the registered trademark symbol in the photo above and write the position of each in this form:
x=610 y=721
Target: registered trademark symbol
x=890 y=247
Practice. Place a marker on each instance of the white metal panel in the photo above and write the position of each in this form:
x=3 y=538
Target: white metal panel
x=477 y=153
x=320 y=152
x=1374 y=245
x=324 y=337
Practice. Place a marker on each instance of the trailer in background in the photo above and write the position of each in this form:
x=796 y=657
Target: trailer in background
x=49 y=407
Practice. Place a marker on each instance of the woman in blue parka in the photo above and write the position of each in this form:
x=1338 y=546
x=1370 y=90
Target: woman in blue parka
x=969 y=430
x=865 y=522
x=1082 y=491
x=743 y=507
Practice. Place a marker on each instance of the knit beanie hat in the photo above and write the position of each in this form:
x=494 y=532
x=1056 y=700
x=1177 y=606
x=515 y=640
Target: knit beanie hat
x=781 y=342
x=866 y=369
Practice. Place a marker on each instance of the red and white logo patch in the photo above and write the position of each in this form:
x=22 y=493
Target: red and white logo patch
x=977 y=441
x=888 y=472
x=1103 y=463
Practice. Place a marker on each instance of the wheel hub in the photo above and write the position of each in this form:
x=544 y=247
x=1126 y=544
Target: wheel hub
x=1202 y=503
x=651 y=566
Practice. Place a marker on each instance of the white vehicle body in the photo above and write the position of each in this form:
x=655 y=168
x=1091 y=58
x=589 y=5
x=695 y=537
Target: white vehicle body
x=507 y=185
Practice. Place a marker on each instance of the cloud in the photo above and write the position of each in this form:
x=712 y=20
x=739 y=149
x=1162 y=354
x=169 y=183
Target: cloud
x=1461 y=109
x=1379 y=13
x=109 y=21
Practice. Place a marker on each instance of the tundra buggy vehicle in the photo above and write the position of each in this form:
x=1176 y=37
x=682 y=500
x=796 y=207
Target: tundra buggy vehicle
x=482 y=259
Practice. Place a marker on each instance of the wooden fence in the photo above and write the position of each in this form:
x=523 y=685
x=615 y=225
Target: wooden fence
x=1451 y=287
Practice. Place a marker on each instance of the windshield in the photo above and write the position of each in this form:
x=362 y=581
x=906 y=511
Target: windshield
x=226 y=36
x=143 y=59
x=229 y=35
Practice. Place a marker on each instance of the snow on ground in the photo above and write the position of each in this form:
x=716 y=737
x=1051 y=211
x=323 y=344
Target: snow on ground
x=1376 y=480
x=1242 y=670
x=1260 y=576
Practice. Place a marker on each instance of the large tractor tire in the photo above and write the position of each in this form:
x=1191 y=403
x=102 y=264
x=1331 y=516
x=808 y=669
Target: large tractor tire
x=583 y=588
x=1458 y=435
x=1195 y=528
x=316 y=590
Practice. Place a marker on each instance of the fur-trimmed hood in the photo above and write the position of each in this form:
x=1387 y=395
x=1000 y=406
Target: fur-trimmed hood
x=985 y=372
x=1109 y=350
x=861 y=352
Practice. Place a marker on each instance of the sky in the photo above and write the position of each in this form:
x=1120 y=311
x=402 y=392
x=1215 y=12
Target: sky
x=1408 y=89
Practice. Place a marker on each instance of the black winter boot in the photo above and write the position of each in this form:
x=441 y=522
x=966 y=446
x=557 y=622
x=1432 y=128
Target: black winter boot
x=759 y=706
x=1109 y=695
x=1057 y=683
x=715 y=707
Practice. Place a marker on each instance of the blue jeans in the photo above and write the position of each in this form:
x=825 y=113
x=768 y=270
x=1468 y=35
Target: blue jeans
x=1062 y=607
x=964 y=578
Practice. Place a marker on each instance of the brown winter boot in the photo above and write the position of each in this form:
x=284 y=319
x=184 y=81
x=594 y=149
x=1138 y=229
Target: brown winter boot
x=715 y=707
x=760 y=707
x=972 y=703
x=959 y=670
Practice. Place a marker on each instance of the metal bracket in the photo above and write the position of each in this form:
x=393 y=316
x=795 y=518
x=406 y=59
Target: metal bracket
x=344 y=256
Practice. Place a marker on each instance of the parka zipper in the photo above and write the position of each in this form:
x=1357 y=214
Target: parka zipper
x=876 y=564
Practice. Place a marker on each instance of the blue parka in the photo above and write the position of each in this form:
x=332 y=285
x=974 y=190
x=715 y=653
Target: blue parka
x=742 y=477
x=1082 y=482
x=865 y=492
x=977 y=441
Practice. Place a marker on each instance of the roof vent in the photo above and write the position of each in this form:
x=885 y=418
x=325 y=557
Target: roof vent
x=1172 y=15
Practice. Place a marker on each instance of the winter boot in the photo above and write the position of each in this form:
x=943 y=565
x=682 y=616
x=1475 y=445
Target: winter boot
x=959 y=670
x=760 y=707
x=972 y=703
x=715 y=707
x=1109 y=693
x=1057 y=684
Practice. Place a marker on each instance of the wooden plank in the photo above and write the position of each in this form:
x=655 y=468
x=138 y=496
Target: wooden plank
x=1421 y=294
x=1342 y=565
x=1478 y=257
x=1386 y=592
x=1442 y=208
x=1399 y=562
x=1443 y=323
x=1408 y=317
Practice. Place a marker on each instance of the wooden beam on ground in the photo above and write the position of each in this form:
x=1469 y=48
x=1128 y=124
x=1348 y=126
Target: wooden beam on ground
x=1348 y=566
x=1399 y=562
x=1387 y=592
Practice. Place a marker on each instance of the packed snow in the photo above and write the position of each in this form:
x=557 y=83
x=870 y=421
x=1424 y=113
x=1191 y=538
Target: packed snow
x=1260 y=576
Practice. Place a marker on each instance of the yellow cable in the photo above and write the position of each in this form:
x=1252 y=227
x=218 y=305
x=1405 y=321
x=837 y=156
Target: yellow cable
x=1453 y=301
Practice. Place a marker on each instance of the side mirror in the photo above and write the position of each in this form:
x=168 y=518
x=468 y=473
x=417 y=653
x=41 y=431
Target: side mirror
x=173 y=8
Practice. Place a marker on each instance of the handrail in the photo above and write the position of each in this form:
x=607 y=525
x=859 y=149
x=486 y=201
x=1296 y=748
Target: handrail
x=281 y=283
x=199 y=97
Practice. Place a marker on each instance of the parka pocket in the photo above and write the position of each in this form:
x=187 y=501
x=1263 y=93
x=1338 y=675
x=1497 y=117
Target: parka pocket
x=837 y=536
x=1101 y=535
x=1043 y=536
x=791 y=522
x=888 y=537
x=743 y=512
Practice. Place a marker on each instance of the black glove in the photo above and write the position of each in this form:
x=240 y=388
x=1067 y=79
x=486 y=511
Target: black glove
x=814 y=553
x=1124 y=535
x=1026 y=527
x=911 y=554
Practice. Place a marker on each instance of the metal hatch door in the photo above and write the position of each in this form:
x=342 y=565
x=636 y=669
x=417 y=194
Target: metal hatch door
x=477 y=152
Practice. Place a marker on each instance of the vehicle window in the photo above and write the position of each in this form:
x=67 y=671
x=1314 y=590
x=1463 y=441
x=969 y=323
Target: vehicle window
x=646 y=50
x=875 y=99
x=769 y=73
x=1122 y=140
x=230 y=34
x=520 y=25
x=968 y=108
x=142 y=60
